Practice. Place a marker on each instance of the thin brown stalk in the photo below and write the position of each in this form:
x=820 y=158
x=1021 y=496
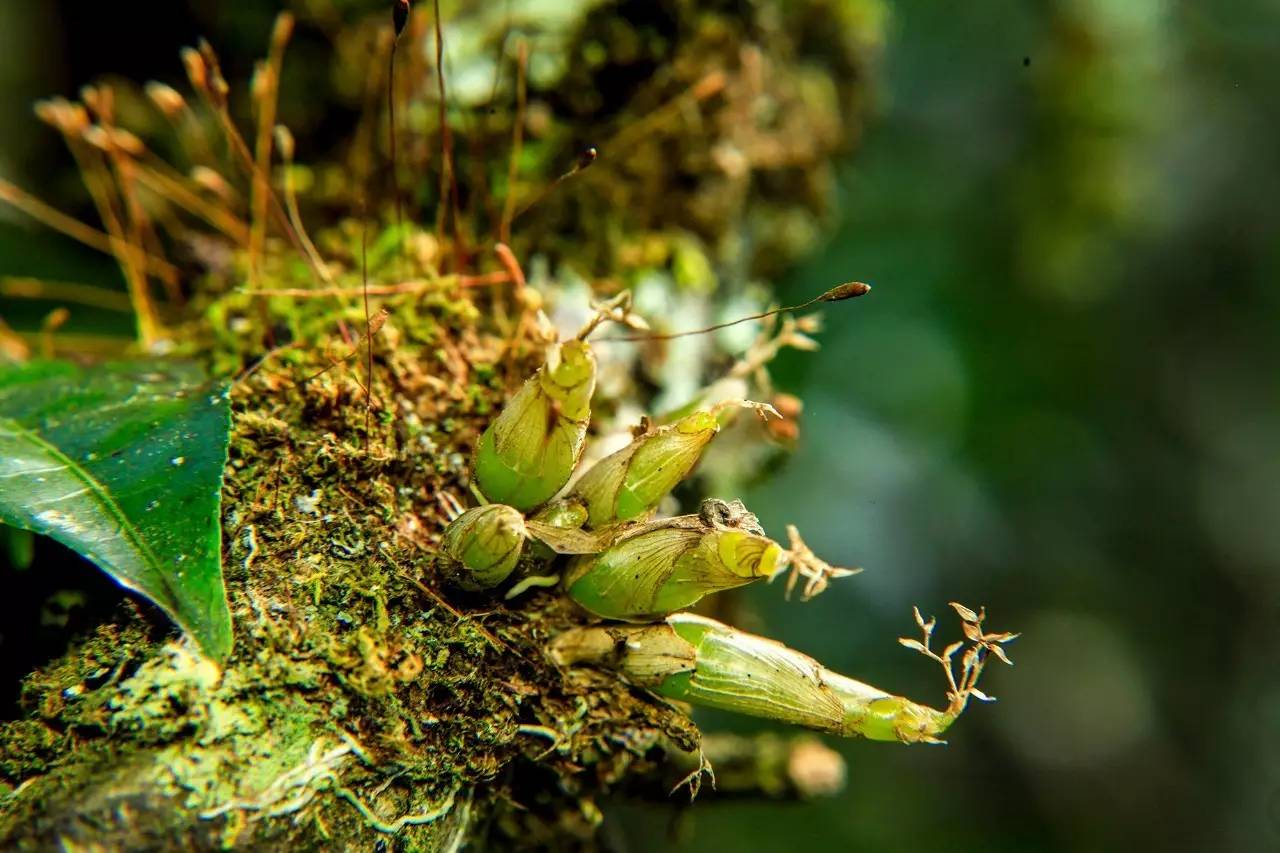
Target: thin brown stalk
x=584 y=161
x=517 y=144
x=53 y=321
x=102 y=102
x=213 y=88
x=98 y=180
x=368 y=327
x=267 y=97
x=174 y=189
x=448 y=186
x=184 y=122
x=840 y=293
x=392 y=133
x=360 y=153
x=15 y=287
x=449 y=608
x=709 y=86
x=478 y=141
x=400 y=18
x=285 y=144
x=512 y=266
x=410 y=287
x=12 y=346
x=105 y=346
x=71 y=227
x=375 y=324
x=152 y=245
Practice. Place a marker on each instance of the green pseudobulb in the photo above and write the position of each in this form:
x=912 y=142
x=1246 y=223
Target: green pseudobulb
x=667 y=566
x=530 y=450
x=701 y=661
x=487 y=542
x=631 y=482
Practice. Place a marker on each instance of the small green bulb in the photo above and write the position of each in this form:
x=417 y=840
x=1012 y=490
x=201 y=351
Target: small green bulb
x=568 y=514
x=668 y=565
x=560 y=516
x=631 y=482
x=530 y=450
x=487 y=541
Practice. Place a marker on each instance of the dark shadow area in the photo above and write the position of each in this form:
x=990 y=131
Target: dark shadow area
x=46 y=608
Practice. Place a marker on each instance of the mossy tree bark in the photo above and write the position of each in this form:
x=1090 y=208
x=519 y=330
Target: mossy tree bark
x=368 y=701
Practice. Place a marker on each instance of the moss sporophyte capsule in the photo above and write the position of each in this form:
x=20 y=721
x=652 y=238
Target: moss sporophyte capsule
x=698 y=660
x=664 y=566
x=530 y=450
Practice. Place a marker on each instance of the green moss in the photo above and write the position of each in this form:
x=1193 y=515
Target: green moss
x=363 y=686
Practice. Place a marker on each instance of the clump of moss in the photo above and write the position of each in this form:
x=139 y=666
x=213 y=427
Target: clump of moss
x=347 y=627
x=366 y=696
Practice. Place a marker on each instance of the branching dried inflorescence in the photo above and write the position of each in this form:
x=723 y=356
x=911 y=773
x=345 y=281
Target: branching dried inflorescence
x=817 y=573
x=972 y=662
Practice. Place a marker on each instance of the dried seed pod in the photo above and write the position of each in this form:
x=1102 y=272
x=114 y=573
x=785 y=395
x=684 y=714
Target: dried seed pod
x=704 y=662
x=487 y=542
x=668 y=565
x=529 y=451
x=631 y=482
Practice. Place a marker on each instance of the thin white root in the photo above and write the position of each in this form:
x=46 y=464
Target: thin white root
x=298 y=787
x=451 y=505
x=542 y=732
x=694 y=779
x=295 y=788
x=529 y=583
x=401 y=822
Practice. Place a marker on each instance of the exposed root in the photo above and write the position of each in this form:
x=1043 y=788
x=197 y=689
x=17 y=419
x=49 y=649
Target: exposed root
x=529 y=583
x=298 y=787
x=392 y=827
x=295 y=788
x=694 y=778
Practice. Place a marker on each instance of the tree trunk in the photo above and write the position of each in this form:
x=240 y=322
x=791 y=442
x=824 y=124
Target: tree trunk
x=370 y=704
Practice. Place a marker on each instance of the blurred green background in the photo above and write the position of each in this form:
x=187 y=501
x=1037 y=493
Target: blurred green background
x=1062 y=401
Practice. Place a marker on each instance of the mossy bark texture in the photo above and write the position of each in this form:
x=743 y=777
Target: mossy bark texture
x=369 y=703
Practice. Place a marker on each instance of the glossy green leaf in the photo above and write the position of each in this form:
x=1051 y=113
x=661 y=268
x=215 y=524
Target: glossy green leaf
x=123 y=463
x=19 y=546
